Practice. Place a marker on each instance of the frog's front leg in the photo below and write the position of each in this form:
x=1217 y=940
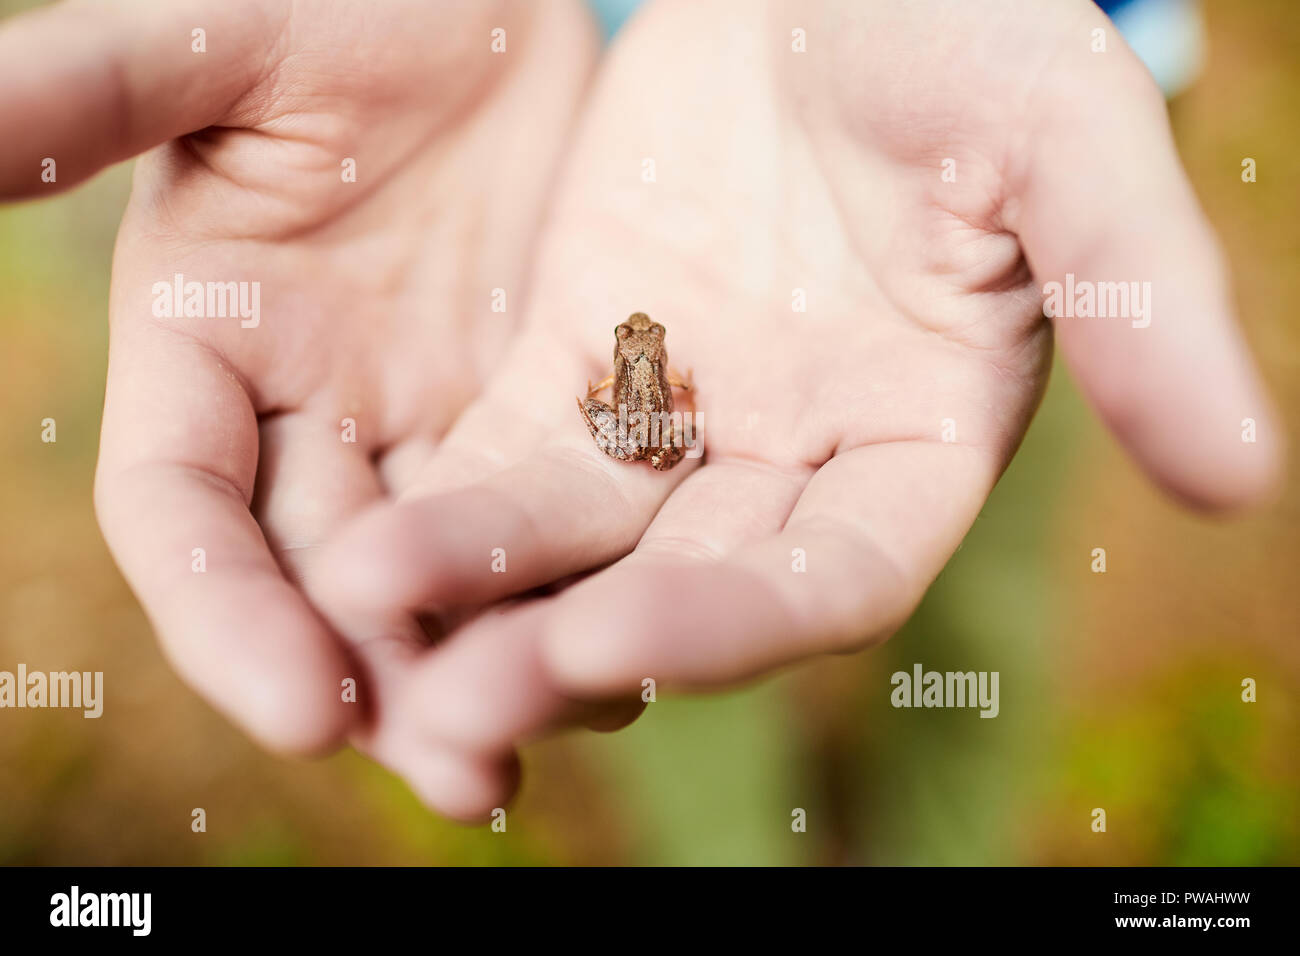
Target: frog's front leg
x=603 y=383
x=602 y=422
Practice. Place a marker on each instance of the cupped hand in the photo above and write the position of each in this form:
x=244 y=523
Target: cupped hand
x=913 y=181
x=376 y=172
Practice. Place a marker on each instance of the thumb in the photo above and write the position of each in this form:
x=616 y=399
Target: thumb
x=1109 y=224
x=89 y=84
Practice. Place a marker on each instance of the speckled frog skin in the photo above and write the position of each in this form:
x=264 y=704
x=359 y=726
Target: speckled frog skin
x=643 y=387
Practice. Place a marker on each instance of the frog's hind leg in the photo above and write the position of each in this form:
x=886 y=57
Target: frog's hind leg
x=670 y=450
x=602 y=422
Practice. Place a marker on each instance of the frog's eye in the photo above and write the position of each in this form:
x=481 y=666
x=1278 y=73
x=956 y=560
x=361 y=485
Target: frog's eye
x=657 y=329
x=622 y=331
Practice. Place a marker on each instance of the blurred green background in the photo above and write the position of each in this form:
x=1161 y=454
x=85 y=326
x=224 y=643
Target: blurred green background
x=1118 y=690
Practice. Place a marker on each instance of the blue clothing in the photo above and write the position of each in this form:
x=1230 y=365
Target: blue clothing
x=612 y=14
x=1166 y=34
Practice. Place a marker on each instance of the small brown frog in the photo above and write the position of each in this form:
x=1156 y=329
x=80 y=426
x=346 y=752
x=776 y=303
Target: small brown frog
x=639 y=426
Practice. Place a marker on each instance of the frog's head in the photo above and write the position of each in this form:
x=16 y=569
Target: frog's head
x=640 y=336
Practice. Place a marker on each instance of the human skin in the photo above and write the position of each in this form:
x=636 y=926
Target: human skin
x=821 y=171
x=775 y=170
x=376 y=297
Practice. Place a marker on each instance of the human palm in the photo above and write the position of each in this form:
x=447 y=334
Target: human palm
x=913 y=179
x=376 y=290
x=846 y=245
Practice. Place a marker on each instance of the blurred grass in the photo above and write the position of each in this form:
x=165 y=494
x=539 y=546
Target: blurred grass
x=1118 y=690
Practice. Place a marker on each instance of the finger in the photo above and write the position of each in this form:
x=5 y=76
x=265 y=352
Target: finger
x=504 y=426
x=465 y=784
x=1101 y=197
x=400 y=464
x=464 y=788
x=175 y=475
x=489 y=686
x=523 y=405
x=869 y=533
x=309 y=483
x=723 y=507
x=566 y=509
x=89 y=84
x=486 y=689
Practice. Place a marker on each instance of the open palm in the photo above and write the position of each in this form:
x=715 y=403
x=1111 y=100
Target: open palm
x=376 y=289
x=848 y=247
